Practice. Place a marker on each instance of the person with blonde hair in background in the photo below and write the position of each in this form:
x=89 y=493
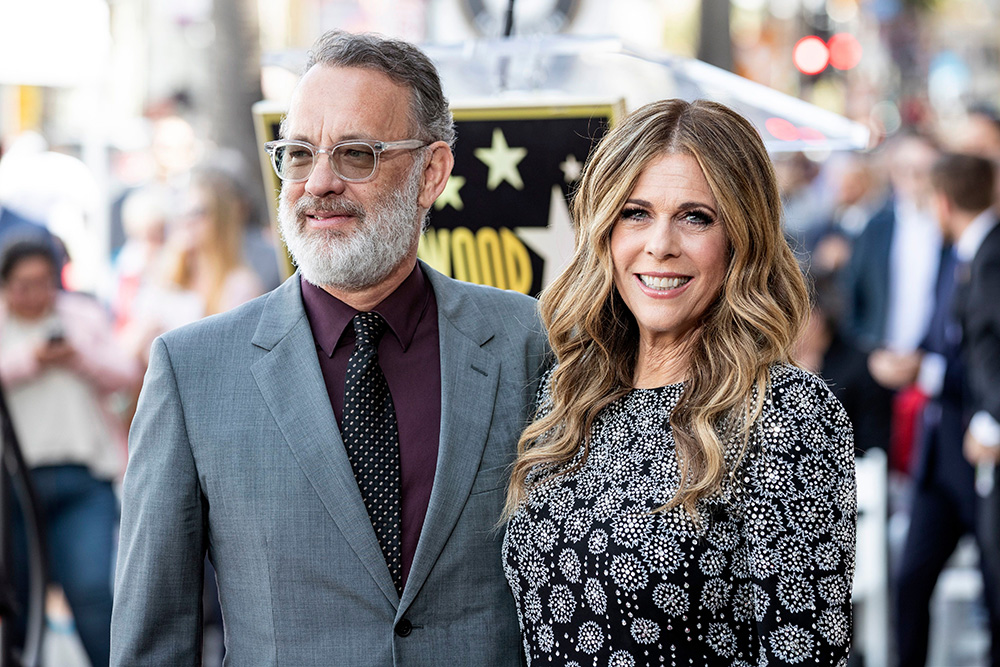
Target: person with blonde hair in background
x=206 y=248
x=684 y=495
x=201 y=270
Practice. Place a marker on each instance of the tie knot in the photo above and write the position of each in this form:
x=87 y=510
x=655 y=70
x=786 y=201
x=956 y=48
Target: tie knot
x=368 y=328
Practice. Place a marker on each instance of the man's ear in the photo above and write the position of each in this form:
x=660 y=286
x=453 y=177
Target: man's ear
x=436 y=173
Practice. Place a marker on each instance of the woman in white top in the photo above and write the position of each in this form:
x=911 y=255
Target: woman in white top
x=58 y=364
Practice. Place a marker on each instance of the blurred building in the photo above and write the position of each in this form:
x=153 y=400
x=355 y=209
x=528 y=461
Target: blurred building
x=90 y=75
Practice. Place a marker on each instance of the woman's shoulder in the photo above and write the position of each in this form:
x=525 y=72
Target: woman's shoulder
x=243 y=275
x=793 y=387
x=800 y=406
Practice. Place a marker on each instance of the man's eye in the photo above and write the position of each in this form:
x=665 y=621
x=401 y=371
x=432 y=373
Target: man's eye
x=298 y=155
x=357 y=153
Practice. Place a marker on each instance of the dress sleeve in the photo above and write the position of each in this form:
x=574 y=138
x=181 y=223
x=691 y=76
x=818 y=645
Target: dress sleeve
x=799 y=512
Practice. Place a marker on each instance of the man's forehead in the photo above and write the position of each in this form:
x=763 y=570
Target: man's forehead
x=347 y=101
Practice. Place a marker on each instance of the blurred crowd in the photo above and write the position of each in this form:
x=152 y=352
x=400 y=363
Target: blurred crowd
x=895 y=241
x=187 y=241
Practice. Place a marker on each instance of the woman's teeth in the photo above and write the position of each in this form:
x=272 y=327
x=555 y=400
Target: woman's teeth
x=654 y=282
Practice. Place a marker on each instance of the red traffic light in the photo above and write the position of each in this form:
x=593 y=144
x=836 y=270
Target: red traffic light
x=845 y=51
x=810 y=55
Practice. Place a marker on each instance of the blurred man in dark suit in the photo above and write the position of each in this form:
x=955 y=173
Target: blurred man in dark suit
x=944 y=506
x=962 y=187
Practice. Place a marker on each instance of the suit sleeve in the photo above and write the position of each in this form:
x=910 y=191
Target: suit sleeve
x=158 y=582
x=983 y=336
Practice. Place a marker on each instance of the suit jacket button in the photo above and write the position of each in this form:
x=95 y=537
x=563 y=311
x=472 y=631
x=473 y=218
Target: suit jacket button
x=404 y=628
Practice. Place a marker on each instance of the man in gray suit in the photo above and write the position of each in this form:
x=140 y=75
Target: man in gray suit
x=237 y=445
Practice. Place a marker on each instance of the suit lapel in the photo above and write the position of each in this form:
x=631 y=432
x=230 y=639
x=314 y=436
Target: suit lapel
x=469 y=380
x=290 y=380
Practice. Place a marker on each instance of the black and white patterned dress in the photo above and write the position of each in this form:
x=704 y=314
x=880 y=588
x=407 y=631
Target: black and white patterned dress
x=602 y=581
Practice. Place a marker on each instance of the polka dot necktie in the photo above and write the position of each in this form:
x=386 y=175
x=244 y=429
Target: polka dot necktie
x=372 y=440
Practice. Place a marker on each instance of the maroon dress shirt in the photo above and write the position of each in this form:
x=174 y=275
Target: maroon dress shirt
x=411 y=361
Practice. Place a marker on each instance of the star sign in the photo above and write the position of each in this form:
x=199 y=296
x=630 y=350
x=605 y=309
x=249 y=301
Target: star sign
x=571 y=168
x=502 y=161
x=450 y=195
x=554 y=244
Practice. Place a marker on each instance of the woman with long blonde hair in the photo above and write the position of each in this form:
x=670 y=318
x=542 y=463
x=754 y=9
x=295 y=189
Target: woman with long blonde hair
x=199 y=270
x=684 y=494
x=206 y=250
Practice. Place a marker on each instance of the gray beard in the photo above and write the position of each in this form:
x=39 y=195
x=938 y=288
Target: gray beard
x=352 y=261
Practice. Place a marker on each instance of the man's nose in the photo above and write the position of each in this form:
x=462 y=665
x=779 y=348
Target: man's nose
x=324 y=180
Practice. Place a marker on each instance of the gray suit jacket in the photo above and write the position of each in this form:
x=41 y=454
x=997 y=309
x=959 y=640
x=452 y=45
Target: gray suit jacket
x=235 y=450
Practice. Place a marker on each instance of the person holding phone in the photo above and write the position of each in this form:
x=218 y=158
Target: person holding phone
x=58 y=364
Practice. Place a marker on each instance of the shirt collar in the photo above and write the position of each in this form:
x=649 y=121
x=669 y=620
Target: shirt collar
x=910 y=216
x=329 y=317
x=968 y=243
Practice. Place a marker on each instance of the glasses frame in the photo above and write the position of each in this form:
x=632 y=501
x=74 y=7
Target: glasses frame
x=378 y=147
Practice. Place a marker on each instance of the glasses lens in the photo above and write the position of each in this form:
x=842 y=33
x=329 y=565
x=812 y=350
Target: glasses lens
x=293 y=162
x=354 y=161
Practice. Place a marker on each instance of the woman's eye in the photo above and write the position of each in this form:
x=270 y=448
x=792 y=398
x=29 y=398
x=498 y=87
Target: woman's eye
x=634 y=214
x=698 y=218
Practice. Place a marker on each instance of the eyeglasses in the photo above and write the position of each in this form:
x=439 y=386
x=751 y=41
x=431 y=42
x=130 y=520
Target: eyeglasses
x=354 y=161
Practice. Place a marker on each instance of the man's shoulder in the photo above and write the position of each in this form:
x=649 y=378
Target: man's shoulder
x=872 y=246
x=990 y=247
x=9 y=217
x=455 y=296
x=880 y=225
x=984 y=276
x=15 y=227
x=485 y=313
x=485 y=293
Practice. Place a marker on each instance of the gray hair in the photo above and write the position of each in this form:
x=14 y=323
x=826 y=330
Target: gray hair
x=402 y=62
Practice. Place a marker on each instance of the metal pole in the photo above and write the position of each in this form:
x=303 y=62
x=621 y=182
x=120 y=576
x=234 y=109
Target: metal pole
x=508 y=22
x=508 y=30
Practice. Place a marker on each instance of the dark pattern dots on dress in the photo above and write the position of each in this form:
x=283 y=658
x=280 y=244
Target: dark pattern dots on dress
x=765 y=580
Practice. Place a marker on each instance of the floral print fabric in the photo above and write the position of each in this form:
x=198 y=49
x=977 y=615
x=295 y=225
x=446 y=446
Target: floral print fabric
x=602 y=580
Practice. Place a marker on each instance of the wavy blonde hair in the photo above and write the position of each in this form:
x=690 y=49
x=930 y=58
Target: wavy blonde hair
x=751 y=325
